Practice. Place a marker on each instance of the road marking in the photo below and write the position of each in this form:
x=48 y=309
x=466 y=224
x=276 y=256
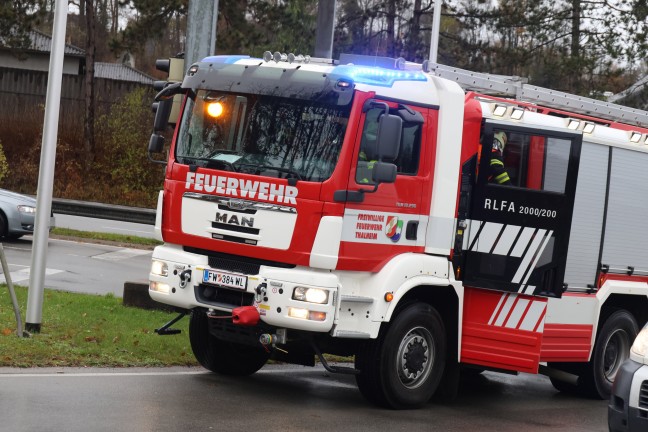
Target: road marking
x=128 y=230
x=23 y=274
x=122 y=254
x=161 y=373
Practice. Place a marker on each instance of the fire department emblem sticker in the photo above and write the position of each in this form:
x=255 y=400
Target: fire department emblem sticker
x=393 y=228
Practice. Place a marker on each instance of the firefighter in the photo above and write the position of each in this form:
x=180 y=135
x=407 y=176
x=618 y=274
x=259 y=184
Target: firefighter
x=497 y=173
x=367 y=157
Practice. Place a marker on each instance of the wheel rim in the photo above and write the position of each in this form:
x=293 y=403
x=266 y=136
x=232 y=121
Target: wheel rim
x=617 y=350
x=415 y=357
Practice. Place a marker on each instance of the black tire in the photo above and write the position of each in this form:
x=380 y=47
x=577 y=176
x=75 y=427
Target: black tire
x=611 y=349
x=4 y=228
x=565 y=387
x=402 y=368
x=226 y=358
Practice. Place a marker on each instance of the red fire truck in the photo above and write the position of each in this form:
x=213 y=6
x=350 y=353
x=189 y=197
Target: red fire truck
x=351 y=207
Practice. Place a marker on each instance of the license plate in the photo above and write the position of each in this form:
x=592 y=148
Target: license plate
x=224 y=279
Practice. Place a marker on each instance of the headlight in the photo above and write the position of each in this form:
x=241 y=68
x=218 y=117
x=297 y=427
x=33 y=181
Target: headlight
x=159 y=268
x=311 y=295
x=26 y=209
x=640 y=345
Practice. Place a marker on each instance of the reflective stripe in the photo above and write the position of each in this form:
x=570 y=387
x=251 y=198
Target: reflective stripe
x=502 y=178
x=496 y=162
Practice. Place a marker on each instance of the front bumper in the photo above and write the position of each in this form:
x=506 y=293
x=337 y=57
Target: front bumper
x=628 y=408
x=270 y=289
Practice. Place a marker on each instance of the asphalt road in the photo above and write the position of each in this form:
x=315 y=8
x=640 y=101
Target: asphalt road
x=287 y=398
x=278 y=398
x=80 y=267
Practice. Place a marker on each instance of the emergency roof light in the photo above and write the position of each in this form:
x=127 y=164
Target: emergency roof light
x=227 y=59
x=635 y=137
x=588 y=128
x=376 y=75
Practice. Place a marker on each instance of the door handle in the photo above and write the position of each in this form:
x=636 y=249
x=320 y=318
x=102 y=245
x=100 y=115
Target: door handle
x=411 y=229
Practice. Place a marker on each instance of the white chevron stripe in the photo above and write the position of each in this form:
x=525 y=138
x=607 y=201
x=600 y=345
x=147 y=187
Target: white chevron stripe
x=526 y=260
x=506 y=240
x=488 y=236
x=516 y=316
x=522 y=242
x=502 y=297
x=505 y=310
x=537 y=257
x=533 y=315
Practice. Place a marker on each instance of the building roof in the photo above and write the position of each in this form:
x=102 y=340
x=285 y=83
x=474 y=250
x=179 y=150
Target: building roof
x=43 y=43
x=121 y=72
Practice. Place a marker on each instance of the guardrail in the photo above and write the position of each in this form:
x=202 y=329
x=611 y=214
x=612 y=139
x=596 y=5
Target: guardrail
x=104 y=211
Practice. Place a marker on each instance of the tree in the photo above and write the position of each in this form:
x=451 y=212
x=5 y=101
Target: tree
x=17 y=18
x=570 y=44
x=90 y=50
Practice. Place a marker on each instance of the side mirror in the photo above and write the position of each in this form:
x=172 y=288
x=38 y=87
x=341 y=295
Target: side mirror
x=162 y=115
x=383 y=172
x=390 y=130
x=156 y=144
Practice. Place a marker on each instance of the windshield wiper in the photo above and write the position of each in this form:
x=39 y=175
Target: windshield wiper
x=209 y=163
x=258 y=168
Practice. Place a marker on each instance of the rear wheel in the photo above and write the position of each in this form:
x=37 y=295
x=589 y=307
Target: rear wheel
x=611 y=349
x=402 y=368
x=227 y=358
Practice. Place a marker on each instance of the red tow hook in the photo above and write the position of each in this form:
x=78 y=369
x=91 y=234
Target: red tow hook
x=245 y=316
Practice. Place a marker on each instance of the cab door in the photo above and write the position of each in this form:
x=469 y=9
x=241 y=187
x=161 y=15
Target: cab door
x=518 y=232
x=387 y=220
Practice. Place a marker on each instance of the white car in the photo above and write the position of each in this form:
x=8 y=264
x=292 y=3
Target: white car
x=628 y=408
x=17 y=214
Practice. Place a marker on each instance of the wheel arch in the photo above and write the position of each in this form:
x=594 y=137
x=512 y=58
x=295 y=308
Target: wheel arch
x=446 y=299
x=637 y=305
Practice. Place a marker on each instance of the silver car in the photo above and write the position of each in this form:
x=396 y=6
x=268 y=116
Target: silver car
x=17 y=215
x=628 y=408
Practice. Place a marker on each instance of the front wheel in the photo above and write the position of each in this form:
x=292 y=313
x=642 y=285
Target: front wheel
x=402 y=368
x=227 y=358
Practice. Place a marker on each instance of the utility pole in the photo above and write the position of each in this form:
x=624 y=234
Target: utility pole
x=202 y=17
x=325 y=27
x=436 y=25
x=46 y=171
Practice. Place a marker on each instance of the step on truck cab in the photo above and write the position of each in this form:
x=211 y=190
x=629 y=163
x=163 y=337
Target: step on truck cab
x=422 y=219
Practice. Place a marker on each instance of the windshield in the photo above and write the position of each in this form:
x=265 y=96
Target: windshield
x=263 y=135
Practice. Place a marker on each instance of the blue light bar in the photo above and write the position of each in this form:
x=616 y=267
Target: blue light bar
x=377 y=76
x=227 y=59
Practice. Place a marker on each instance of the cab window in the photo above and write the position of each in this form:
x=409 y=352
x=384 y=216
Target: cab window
x=408 y=154
x=528 y=161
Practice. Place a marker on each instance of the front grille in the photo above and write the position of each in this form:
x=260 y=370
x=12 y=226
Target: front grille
x=234 y=263
x=643 y=395
x=223 y=297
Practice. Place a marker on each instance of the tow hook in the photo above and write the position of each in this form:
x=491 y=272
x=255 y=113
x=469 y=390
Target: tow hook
x=165 y=330
x=185 y=278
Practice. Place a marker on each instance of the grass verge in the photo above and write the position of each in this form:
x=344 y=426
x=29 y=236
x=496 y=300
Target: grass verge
x=90 y=330
x=119 y=239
